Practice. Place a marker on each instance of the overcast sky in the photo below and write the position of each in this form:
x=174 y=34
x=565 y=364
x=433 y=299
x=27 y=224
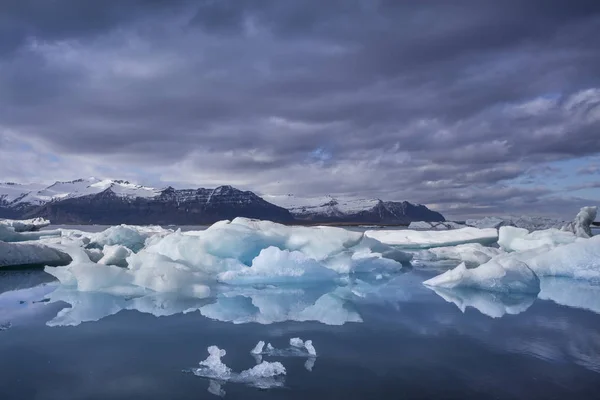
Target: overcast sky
x=472 y=107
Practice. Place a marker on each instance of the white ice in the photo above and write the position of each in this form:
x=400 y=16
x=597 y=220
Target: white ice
x=505 y=275
x=273 y=266
x=242 y=251
x=581 y=225
x=526 y=222
x=518 y=239
x=8 y=234
x=264 y=375
x=298 y=348
x=426 y=239
x=434 y=226
x=470 y=253
x=115 y=255
x=26 y=225
x=30 y=253
x=130 y=236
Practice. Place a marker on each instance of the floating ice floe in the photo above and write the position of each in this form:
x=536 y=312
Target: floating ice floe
x=242 y=251
x=130 y=236
x=581 y=225
x=114 y=255
x=9 y=234
x=526 y=222
x=426 y=239
x=297 y=348
x=435 y=226
x=265 y=375
x=26 y=225
x=518 y=239
x=23 y=254
x=504 y=275
x=470 y=253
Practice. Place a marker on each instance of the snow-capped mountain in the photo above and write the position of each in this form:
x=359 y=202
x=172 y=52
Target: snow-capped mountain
x=106 y=201
x=331 y=209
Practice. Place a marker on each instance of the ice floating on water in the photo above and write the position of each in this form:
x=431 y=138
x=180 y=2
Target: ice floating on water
x=8 y=234
x=434 y=226
x=526 y=222
x=132 y=237
x=264 y=375
x=26 y=225
x=581 y=226
x=298 y=348
x=492 y=304
x=472 y=253
x=242 y=251
x=426 y=239
x=13 y=254
x=279 y=266
x=518 y=239
x=505 y=275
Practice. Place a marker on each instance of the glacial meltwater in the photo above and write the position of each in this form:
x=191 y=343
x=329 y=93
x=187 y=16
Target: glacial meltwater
x=376 y=333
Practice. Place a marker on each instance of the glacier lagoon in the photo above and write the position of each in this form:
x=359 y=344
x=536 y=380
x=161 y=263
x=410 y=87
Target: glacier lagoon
x=378 y=332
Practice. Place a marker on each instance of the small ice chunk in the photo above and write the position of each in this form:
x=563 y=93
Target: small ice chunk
x=263 y=370
x=310 y=348
x=310 y=363
x=270 y=347
x=296 y=342
x=258 y=349
x=213 y=367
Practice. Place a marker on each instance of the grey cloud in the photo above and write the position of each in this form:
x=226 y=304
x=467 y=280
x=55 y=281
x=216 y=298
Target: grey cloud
x=435 y=102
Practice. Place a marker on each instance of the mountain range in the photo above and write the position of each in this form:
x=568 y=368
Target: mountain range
x=107 y=201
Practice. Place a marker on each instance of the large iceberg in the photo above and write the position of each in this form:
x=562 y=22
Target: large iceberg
x=22 y=254
x=525 y=222
x=26 y=225
x=241 y=251
x=504 y=275
x=411 y=239
x=519 y=239
x=581 y=226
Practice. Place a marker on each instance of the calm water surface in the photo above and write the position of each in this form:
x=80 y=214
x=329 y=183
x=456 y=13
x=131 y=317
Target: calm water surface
x=406 y=342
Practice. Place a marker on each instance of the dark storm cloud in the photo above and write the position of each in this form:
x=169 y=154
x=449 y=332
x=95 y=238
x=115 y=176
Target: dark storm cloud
x=439 y=102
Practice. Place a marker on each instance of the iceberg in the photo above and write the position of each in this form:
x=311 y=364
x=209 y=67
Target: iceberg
x=470 y=253
x=114 y=255
x=525 y=222
x=504 y=275
x=434 y=226
x=238 y=252
x=23 y=254
x=426 y=239
x=518 y=239
x=26 y=225
x=581 y=226
x=9 y=234
x=279 y=266
x=132 y=237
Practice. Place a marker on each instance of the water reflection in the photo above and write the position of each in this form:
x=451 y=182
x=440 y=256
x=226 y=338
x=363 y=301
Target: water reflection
x=494 y=305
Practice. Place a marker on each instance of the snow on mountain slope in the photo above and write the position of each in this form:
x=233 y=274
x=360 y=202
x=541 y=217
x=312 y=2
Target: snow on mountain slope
x=323 y=205
x=38 y=194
